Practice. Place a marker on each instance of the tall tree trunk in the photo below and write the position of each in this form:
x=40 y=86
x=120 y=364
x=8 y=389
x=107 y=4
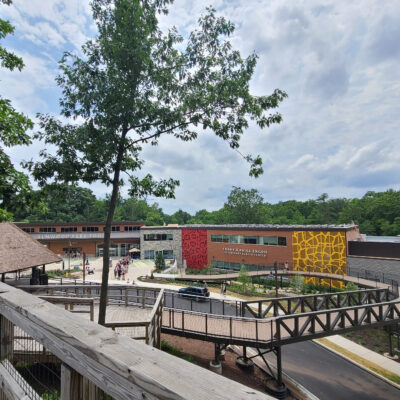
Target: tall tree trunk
x=107 y=232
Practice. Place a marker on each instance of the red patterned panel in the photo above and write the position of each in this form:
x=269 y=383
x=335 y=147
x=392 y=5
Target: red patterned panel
x=194 y=247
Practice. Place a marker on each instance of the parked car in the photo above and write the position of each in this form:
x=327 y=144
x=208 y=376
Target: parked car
x=196 y=292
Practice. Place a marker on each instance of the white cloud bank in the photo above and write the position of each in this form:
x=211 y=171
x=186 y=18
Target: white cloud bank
x=339 y=62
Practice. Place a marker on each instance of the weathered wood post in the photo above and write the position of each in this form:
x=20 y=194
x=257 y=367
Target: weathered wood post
x=6 y=339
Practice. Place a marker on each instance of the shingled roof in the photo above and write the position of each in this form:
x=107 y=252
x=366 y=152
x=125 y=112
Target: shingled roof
x=19 y=251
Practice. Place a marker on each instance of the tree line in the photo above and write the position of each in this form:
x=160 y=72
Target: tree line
x=376 y=213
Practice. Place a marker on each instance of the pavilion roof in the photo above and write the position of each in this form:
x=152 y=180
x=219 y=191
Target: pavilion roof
x=18 y=250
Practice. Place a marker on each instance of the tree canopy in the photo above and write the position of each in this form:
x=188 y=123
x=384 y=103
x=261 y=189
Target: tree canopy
x=376 y=213
x=133 y=85
x=14 y=185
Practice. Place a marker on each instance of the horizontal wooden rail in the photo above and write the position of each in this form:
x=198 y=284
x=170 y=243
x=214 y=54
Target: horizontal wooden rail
x=71 y=302
x=121 y=367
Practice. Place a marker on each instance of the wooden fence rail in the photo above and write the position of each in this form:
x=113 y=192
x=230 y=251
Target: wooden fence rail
x=152 y=325
x=95 y=359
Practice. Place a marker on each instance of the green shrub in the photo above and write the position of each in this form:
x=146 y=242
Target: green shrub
x=168 y=348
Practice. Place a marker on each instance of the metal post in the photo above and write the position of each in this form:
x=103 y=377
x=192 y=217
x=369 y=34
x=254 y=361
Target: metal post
x=217 y=353
x=390 y=341
x=84 y=266
x=279 y=366
x=276 y=278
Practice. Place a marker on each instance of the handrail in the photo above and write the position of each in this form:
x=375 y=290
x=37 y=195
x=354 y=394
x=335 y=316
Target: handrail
x=152 y=324
x=121 y=367
x=315 y=295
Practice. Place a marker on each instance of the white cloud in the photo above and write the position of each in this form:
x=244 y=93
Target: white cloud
x=339 y=63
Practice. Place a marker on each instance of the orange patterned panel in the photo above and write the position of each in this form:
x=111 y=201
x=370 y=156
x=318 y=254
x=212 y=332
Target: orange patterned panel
x=317 y=251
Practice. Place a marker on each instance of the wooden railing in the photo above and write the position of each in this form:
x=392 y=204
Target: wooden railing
x=152 y=325
x=300 y=327
x=70 y=302
x=218 y=328
x=313 y=302
x=97 y=361
x=117 y=294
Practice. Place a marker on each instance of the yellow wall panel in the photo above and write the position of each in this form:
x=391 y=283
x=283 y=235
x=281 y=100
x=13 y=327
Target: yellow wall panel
x=320 y=252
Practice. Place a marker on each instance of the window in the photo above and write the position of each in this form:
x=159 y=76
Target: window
x=281 y=241
x=149 y=254
x=168 y=254
x=216 y=238
x=235 y=239
x=47 y=229
x=131 y=228
x=158 y=236
x=238 y=239
x=250 y=239
x=269 y=240
x=29 y=230
x=90 y=228
x=115 y=229
x=69 y=229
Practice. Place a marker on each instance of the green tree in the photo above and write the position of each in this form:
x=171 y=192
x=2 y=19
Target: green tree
x=135 y=84
x=244 y=206
x=244 y=278
x=14 y=185
x=69 y=203
x=297 y=284
x=180 y=217
x=159 y=261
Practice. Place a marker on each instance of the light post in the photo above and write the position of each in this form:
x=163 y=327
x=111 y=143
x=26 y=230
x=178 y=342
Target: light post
x=276 y=278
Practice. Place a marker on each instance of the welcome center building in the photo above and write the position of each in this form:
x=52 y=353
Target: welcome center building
x=322 y=248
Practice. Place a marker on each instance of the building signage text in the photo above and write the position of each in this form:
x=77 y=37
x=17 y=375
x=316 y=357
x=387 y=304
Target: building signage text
x=244 y=252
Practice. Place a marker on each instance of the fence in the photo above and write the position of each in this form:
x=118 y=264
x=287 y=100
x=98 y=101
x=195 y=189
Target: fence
x=152 y=326
x=299 y=327
x=376 y=277
x=94 y=362
x=313 y=302
x=118 y=294
x=218 y=328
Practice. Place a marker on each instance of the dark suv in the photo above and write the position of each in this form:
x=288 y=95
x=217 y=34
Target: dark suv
x=197 y=292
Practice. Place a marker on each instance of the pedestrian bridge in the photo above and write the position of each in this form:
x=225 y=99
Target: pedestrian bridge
x=264 y=323
x=84 y=350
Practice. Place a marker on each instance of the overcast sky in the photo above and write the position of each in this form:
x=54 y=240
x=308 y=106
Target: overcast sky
x=339 y=62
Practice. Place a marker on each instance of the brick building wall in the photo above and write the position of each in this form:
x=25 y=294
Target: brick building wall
x=262 y=255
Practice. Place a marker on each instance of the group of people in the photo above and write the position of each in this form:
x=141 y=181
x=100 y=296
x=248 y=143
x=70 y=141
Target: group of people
x=121 y=269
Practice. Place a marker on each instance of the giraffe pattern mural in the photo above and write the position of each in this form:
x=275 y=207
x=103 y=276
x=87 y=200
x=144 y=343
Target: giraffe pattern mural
x=318 y=251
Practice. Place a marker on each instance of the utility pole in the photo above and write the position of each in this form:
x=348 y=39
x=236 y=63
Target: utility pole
x=276 y=278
